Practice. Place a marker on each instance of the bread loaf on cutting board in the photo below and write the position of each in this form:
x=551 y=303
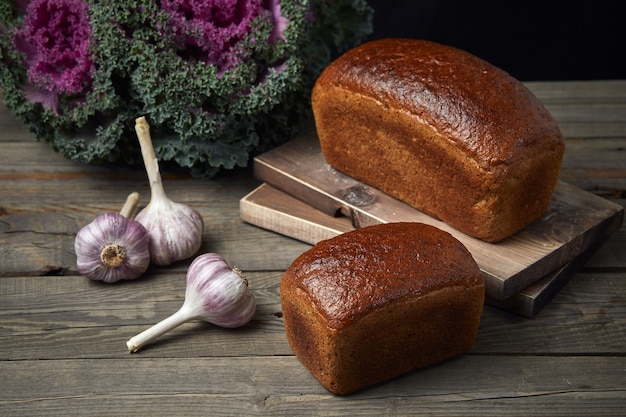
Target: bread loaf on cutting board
x=443 y=131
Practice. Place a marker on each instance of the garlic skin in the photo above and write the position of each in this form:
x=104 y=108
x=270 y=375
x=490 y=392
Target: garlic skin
x=215 y=293
x=219 y=293
x=175 y=229
x=112 y=248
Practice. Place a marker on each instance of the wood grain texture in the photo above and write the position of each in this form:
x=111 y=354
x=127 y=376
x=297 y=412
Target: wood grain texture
x=62 y=337
x=585 y=109
x=273 y=386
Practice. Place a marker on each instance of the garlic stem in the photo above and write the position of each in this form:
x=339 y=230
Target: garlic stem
x=149 y=157
x=175 y=229
x=183 y=315
x=113 y=255
x=130 y=205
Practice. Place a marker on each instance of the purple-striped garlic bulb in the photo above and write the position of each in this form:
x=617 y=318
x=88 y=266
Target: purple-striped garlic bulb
x=175 y=229
x=215 y=293
x=113 y=247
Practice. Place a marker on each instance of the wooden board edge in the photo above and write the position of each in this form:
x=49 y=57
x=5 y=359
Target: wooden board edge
x=261 y=208
x=531 y=300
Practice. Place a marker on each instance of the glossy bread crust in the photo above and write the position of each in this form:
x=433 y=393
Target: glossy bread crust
x=377 y=302
x=441 y=130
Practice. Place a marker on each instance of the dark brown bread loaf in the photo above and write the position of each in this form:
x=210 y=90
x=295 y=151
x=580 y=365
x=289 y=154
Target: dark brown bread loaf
x=441 y=130
x=377 y=302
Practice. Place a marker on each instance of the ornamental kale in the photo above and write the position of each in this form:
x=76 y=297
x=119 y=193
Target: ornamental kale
x=55 y=42
x=218 y=80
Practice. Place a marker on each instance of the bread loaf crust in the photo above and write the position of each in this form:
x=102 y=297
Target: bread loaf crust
x=441 y=130
x=375 y=303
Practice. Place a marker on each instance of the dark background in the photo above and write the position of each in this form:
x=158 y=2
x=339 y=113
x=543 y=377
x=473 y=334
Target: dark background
x=549 y=40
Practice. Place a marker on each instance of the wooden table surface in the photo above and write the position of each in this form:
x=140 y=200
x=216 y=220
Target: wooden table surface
x=62 y=336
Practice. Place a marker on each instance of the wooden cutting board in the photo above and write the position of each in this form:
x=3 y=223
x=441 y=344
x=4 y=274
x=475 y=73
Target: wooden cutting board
x=575 y=221
x=274 y=210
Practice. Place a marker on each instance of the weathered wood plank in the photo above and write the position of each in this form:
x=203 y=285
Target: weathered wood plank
x=591 y=307
x=610 y=256
x=40 y=219
x=585 y=109
x=596 y=165
x=56 y=317
x=29 y=254
x=610 y=91
x=272 y=209
x=597 y=154
x=280 y=386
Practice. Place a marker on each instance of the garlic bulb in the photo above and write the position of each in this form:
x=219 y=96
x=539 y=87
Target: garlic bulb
x=175 y=229
x=215 y=293
x=113 y=247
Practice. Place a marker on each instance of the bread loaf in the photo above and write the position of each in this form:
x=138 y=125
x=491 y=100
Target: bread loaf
x=441 y=130
x=377 y=302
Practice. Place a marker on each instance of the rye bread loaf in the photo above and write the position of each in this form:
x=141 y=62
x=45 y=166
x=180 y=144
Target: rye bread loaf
x=377 y=302
x=441 y=130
